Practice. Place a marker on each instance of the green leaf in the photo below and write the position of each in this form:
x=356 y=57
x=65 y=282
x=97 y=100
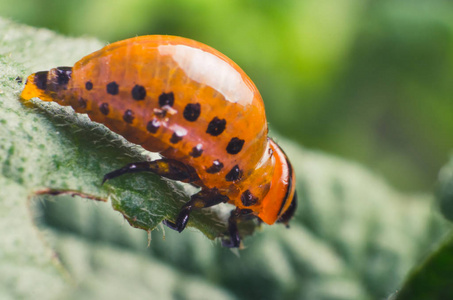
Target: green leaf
x=27 y=266
x=353 y=237
x=445 y=190
x=433 y=278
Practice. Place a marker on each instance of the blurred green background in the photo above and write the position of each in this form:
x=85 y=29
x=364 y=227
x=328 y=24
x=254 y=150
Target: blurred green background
x=369 y=81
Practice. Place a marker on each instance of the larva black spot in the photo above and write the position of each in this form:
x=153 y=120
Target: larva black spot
x=216 y=126
x=166 y=99
x=40 y=80
x=215 y=168
x=113 y=88
x=235 y=146
x=82 y=103
x=192 y=112
x=104 y=108
x=138 y=92
x=176 y=137
x=196 y=151
x=63 y=75
x=153 y=125
x=89 y=85
x=128 y=116
x=248 y=199
x=234 y=174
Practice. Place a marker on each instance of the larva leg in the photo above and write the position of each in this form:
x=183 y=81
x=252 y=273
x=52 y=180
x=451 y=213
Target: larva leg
x=176 y=170
x=202 y=199
x=167 y=168
x=236 y=215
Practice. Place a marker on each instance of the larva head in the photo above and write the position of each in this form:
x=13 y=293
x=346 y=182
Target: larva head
x=47 y=85
x=280 y=202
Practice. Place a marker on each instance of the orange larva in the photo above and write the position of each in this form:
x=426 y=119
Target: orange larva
x=195 y=107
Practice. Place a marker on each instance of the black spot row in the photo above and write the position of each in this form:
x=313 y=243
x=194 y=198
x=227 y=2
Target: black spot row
x=138 y=93
x=152 y=126
x=191 y=113
x=233 y=175
x=215 y=127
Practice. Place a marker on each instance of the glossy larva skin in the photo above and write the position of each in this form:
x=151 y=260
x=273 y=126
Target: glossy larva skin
x=188 y=102
x=169 y=67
